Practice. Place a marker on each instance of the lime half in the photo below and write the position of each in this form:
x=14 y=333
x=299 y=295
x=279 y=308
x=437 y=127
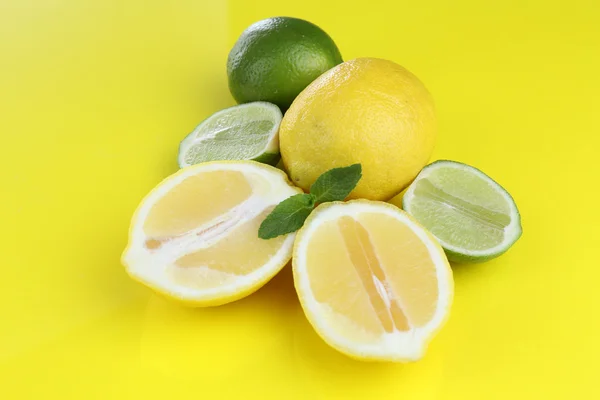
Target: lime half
x=470 y=214
x=244 y=132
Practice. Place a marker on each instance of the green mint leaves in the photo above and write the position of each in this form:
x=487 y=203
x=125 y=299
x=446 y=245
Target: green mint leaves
x=336 y=184
x=289 y=215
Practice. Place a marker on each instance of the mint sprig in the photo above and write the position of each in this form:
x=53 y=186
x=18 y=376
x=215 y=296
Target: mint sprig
x=336 y=184
x=289 y=215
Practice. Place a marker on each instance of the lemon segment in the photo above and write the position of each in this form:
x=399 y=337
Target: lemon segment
x=187 y=205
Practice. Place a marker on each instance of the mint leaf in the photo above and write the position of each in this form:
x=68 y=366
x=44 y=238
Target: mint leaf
x=336 y=184
x=288 y=216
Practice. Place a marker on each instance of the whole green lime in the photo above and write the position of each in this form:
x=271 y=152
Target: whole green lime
x=276 y=58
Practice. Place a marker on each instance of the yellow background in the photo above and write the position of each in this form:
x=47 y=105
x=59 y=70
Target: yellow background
x=94 y=99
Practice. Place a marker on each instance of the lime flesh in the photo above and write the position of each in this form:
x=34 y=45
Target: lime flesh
x=470 y=214
x=244 y=132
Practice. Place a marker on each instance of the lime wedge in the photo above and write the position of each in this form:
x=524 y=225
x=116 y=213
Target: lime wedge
x=245 y=132
x=470 y=214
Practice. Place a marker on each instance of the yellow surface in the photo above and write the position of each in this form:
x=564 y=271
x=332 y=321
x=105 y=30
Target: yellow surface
x=94 y=99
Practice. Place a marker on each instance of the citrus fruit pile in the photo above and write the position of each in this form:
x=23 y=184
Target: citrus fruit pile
x=311 y=167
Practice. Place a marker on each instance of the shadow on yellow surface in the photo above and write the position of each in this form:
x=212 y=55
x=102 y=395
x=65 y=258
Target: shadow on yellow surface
x=224 y=338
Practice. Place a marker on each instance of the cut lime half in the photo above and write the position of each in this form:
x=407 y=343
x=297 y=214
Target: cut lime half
x=471 y=215
x=245 y=132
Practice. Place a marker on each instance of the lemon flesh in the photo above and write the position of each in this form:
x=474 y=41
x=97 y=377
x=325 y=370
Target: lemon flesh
x=194 y=238
x=373 y=283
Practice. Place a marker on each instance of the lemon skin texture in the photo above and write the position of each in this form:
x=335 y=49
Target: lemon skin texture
x=369 y=111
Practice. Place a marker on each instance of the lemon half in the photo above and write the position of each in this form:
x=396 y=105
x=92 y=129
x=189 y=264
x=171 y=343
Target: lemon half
x=373 y=283
x=194 y=238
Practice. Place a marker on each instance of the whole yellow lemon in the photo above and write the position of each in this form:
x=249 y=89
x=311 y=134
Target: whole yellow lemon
x=368 y=111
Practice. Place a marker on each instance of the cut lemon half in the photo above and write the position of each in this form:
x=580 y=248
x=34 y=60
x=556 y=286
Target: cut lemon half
x=372 y=281
x=194 y=238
